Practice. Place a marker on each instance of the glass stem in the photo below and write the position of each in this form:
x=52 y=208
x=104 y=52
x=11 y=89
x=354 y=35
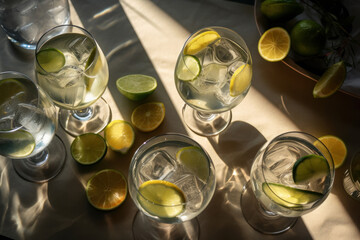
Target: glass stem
x=39 y=159
x=204 y=116
x=83 y=114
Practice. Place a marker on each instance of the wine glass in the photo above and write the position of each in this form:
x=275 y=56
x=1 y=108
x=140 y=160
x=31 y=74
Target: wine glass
x=351 y=179
x=171 y=181
x=212 y=75
x=73 y=70
x=289 y=177
x=28 y=120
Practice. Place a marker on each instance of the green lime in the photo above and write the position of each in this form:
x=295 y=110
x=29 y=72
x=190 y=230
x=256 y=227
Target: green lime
x=330 y=81
x=194 y=159
x=307 y=37
x=188 y=68
x=289 y=197
x=281 y=10
x=136 y=87
x=310 y=167
x=16 y=144
x=88 y=148
x=10 y=88
x=51 y=59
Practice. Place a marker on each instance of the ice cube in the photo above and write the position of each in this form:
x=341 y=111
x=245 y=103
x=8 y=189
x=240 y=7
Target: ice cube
x=157 y=166
x=80 y=47
x=212 y=76
x=191 y=186
x=226 y=51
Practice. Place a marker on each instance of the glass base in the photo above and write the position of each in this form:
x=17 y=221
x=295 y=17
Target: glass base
x=206 y=124
x=146 y=228
x=258 y=218
x=43 y=166
x=92 y=119
x=350 y=187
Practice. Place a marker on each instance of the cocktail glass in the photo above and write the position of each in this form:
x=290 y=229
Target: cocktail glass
x=28 y=120
x=73 y=70
x=352 y=178
x=171 y=181
x=212 y=75
x=289 y=177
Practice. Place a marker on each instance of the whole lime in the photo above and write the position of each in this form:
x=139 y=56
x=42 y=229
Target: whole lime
x=307 y=38
x=281 y=10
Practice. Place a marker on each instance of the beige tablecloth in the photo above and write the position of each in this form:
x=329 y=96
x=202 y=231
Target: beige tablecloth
x=142 y=36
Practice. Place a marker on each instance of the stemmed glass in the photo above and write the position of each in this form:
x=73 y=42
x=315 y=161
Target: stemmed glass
x=28 y=120
x=351 y=180
x=73 y=70
x=289 y=177
x=212 y=75
x=171 y=181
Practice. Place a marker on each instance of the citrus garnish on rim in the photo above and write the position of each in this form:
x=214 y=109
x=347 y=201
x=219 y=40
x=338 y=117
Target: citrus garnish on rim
x=88 y=148
x=119 y=135
x=148 y=116
x=274 y=44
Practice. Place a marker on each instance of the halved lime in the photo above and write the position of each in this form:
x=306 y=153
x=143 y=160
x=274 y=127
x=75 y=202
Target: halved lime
x=188 y=68
x=88 y=148
x=136 y=87
x=194 y=159
x=200 y=41
x=289 y=197
x=161 y=198
x=106 y=189
x=310 y=167
x=119 y=135
x=51 y=59
x=240 y=80
x=16 y=144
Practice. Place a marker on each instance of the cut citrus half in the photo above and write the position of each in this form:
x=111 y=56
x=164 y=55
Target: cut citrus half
x=119 y=136
x=51 y=59
x=330 y=81
x=188 y=68
x=336 y=147
x=16 y=144
x=161 y=198
x=136 y=87
x=274 y=44
x=148 y=116
x=200 y=41
x=310 y=167
x=88 y=148
x=195 y=160
x=240 y=80
x=289 y=197
x=106 y=189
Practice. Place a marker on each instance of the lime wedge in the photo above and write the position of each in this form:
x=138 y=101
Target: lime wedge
x=310 y=167
x=161 y=198
x=201 y=41
x=88 y=148
x=51 y=59
x=289 y=197
x=119 y=136
x=136 y=87
x=194 y=159
x=16 y=144
x=240 y=80
x=330 y=81
x=188 y=68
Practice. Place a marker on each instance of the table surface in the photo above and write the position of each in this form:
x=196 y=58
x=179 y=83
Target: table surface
x=142 y=36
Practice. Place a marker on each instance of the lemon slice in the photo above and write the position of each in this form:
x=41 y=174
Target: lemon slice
x=310 y=167
x=201 y=41
x=106 y=189
x=330 y=81
x=194 y=159
x=10 y=88
x=336 y=147
x=274 y=44
x=161 y=198
x=119 y=136
x=148 y=116
x=88 y=148
x=240 y=80
x=51 y=59
x=289 y=197
x=16 y=144
x=188 y=68
x=136 y=87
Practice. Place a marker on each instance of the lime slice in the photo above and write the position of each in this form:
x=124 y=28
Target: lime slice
x=10 y=88
x=119 y=136
x=194 y=159
x=201 y=41
x=148 y=116
x=51 y=59
x=161 y=198
x=16 y=144
x=310 y=167
x=274 y=44
x=330 y=81
x=88 y=148
x=289 y=197
x=240 y=80
x=136 y=87
x=188 y=68
x=106 y=189
x=336 y=147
